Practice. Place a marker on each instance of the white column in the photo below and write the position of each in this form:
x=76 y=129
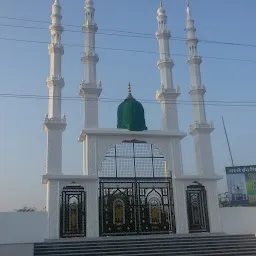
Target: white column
x=180 y=205
x=213 y=206
x=90 y=156
x=176 y=158
x=90 y=89
x=54 y=123
x=53 y=209
x=92 y=208
x=54 y=152
x=167 y=94
x=203 y=149
x=200 y=129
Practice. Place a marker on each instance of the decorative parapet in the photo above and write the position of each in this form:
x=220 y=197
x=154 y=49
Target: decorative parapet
x=89 y=56
x=194 y=60
x=165 y=61
x=56 y=48
x=55 y=123
x=90 y=88
x=195 y=89
x=90 y=26
x=206 y=126
x=167 y=93
x=54 y=27
x=163 y=33
x=54 y=80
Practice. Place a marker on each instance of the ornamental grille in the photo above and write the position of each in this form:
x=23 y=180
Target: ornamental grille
x=134 y=159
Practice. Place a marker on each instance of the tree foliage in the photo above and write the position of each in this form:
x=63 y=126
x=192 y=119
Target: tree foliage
x=26 y=209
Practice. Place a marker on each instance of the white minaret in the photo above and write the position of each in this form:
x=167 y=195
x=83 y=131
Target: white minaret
x=90 y=89
x=200 y=129
x=167 y=94
x=54 y=123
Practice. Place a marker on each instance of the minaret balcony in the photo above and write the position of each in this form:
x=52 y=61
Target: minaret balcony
x=192 y=41
x=197 y=89
x=56 y=48
x=57 y=16
x=55 y=123
x=201 y=127
x=56 y=27
x=55 y=81
x=163 y=33
x=166 y=61
x=90 y=89
x=90 y=56
x=90 y=27
x=194 y=60
x=165 y=94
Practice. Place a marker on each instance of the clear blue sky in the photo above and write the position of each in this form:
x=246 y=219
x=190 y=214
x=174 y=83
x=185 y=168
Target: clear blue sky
x=25 y=66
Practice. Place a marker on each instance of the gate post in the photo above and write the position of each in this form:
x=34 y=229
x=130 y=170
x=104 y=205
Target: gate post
x=53 y=209
x=92 y=207
x=180 y=206
x=213 y=206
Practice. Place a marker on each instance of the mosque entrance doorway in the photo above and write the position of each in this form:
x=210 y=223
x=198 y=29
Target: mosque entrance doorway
x=136 y=194
x=72 y=212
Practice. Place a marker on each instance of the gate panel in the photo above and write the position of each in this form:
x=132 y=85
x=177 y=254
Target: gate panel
x=72 y=212
x=117 y=208
x=154 y=208
x=198 y=218
x=132 y=206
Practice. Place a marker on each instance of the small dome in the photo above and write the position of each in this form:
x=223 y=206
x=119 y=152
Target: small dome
x=161 y=11
x=130 y=114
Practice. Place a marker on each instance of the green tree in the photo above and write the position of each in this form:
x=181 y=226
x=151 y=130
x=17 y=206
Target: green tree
x=26 y=209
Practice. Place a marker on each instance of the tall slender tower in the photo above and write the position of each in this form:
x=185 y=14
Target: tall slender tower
x=200 y=129
x=90 y=89
x=167 y=94
x=54 y=123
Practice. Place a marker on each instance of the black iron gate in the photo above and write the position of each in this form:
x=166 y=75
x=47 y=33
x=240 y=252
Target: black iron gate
x=197 y=207
x=136 y=206
x=72 y=212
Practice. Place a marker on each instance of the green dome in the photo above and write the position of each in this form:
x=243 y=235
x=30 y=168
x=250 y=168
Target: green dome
x=130 y=115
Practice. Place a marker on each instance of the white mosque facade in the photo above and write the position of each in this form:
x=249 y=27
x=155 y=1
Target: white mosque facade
x=132 y=181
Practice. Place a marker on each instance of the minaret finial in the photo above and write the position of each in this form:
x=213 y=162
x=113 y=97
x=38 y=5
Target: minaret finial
x=188 y=10
x=161 y=3
x=129 y=91
x=89 y=3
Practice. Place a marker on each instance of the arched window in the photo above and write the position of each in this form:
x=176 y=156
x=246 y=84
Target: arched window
x=134 y=159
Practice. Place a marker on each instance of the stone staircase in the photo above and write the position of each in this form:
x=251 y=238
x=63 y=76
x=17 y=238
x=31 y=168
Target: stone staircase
x=162 y=245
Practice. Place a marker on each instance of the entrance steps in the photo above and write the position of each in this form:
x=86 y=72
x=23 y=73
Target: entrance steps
x=205 y=245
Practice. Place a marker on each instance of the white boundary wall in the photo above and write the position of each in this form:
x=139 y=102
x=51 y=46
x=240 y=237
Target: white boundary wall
x=30 y=227
x=238 y=220
x=23 y=227
x=16 y=249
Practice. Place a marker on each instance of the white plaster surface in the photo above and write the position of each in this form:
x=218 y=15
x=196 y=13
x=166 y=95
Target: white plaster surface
x=16 y=249
x=18 y=231
x=19 y=227
x=238 y=220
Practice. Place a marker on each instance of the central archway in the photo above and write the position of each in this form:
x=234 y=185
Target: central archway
x=135 y=191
